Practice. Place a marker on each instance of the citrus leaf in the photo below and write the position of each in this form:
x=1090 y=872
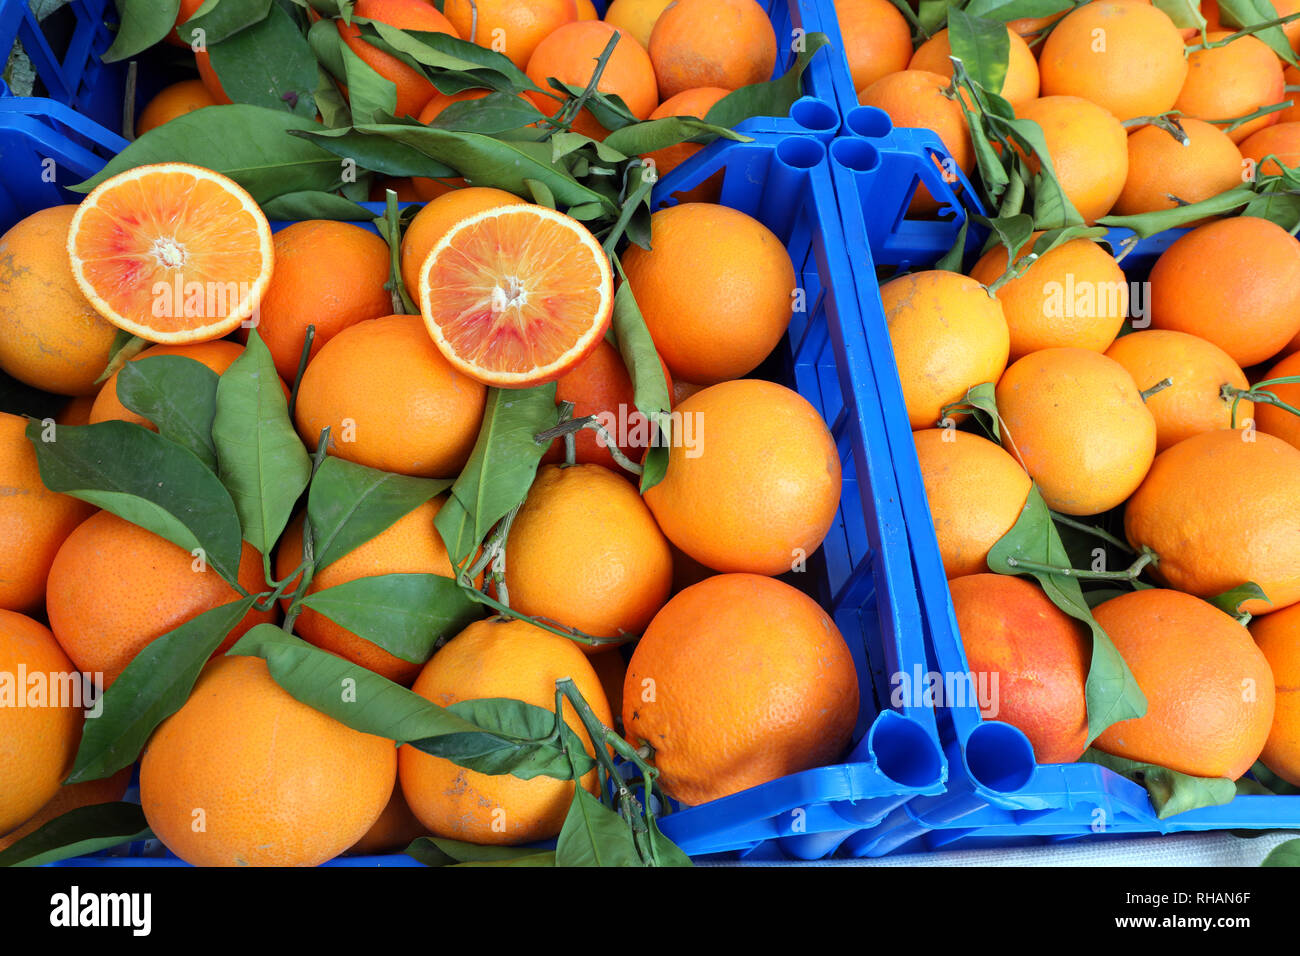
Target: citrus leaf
x=770 y=98
x=141 y=24
x=1149 y=223
x=669 y=853
x=646 y=137
x=594 y=835
x=1230 y=602
x=1248 y=13
x=1277 y=205
x=513 y=740
x=371 y=96
x=1007 y=10
x=125 y=347
x=1284 y=854
x=1273 y=782
x=1052 y=207
x=981 y=401
x=454 y=64
x=151 y=688
x=79 y=832
x=408 y=615
x=144 y=478
x=349 y=504
x=983 y=46
x=225 y=19
x=951 y=261
x=438 y=851
x=1185 y=13
x=177 y=394
x=314 y=204
x=494 y=113
x=1171 y=792
x=269 y=64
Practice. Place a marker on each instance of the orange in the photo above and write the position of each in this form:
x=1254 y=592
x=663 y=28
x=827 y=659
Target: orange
x=1020 y=85
x=1125 y=57
x=753 y=479
x=1278 y=637
x=209 y=78
x=516 y=295
x=413 y=89
x=586 y=10
x=1220 y=509
x=739 y=680
x=411 y=545
x=393 y=832
x=176 y=100
x=1031 y=26
x=877 y=40
x=1075 y=295
x=696 y=103
x=1231 y=81
x=508 y=26
x=404 y=186
x=1209 y=690
x=1199 y=369
x=327 y=274
x=948 y=334
x=1291 y=77
x=1161 y=168
x=187 y=10
x=715 y=289
x=50 y=337
x=218 y=356
x=77 y=411
x=172 y=253
x=115 y=587
x=1281 y=141
x=1203 y=277
x=70 y=797
x=683 y=390
x=1075 y=420
x=570 y=54
x=585 y=552
x=636 y=17
x=726 y=43
x=424 y=187
x=492 y=659
x=1278 y=422
x=917 y=98
x=39 y=739
x=1029 y=659
x=439 y=215
x=976 y=492
x=244 y=775
x=1088 y=147
x=34 y=521
x=391 y=400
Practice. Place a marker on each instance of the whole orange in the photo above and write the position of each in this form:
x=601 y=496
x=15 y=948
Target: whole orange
x=1280 y=141
x=1278 y=637
x=1209 y=690
x=217 y=355
x=877 y=40
x=175 y=100
x=716 y=290
x=432 y=222
x=1075 y=419
x=753 y=479
x=1088 y=147
x=508 y=26
x=1231 y=81
x=1220 y=509
x=413 y=89
x=391 y=400
x=245 y=775
x=491 y=659
x=739 y=680
x=72 y=796
x=569 y=55
x=948 y=333
x=726 y=43
x=115 y=587
x=1020 y=85
x=636 y=17
x=1029 y=659
x=1160 y=168
x=1278 y=422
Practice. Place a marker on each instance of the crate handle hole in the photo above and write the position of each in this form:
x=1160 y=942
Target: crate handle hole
x=904 y=751
x=855 y=154
x=869 y=121
x=999 y=756
x=800 y=153
x=815 y=115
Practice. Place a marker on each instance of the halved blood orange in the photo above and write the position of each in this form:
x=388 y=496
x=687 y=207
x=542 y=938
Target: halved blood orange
x=516 y=295
x=171 y=252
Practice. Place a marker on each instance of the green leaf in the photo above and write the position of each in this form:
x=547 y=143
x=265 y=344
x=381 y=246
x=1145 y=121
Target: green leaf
x=1171 y=792
x=334 y=109
x=455 y=64
x=147 y=480
x=142 y=23
x=1007 y=10
x=1185 y=13
x=513 y=740
x=314 y=204
x=1284 y=854
x=124 y=347
x=269 y=64
x=981 y=401
x=1052 y=207
x=650 y=387
x=1012 y=231
x=250 y=144
x=641 y=138
x=349 y=504
x=951 y=261
x=79 y=832
x=177 y=394
x=983 y=46
x=1149 y=223
x=931 y=14
x=501 y=468
x=262 y=460
x=371 y=97
x=1273 y=782
x=151 y=688
x=438 y=851
x=408 y=615
x=1112 y=692
x=771 y=98
x=494 y=113
x=225 y=19
x=594 y=835
x=1230 y=602
x=670 y=854
x=1248 y=13
x=1279 y=206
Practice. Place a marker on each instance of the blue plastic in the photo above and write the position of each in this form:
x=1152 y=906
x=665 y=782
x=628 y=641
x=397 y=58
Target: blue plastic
x=996 y=793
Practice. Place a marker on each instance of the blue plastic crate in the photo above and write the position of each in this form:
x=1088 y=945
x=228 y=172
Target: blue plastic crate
x=996 y=793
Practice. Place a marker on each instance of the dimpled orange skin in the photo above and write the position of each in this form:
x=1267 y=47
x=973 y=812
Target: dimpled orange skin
x=1233 y=80
x=586 y=552
x=37 y=743
x=412 y=413
x=69 y=797
x=1281 y=140
x=1209 y=689
x=411 y=545
x=1220 y=509
x=439 y=215
x=1199 y=369
x=569 y=55
x=34 y=521
x=115 y=587
x=759 y=490
x=218 y=355
x=1076 y=296
x=739 y=680
x=519 y=26
x=1278 y=422
x=877 y=39
x=176 y=100
x=1278 y=636
x=1089 y=150
x=1018 y=86
x=278 y=783
x=727 y=43
x=1204 y=277
x=715 y=290
x=1076 y=421
x=413 y=89
x=948 y=334
x=976 y=492
x=1139 y=69
x=1160 y=167
x=499 y=659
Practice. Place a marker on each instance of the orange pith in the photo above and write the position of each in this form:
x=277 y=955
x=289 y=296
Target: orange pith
x=171 y=252
x=517 y=295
